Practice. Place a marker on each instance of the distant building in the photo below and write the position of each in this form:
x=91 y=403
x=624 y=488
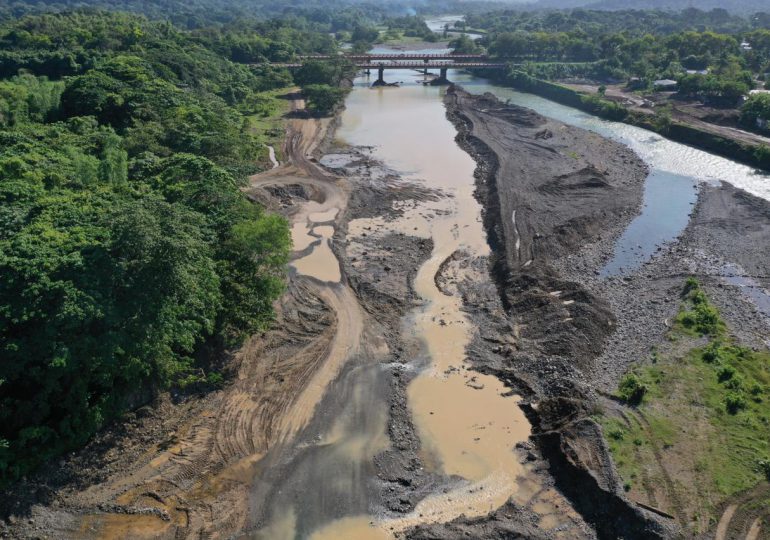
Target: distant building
x=745 y=46
x=665 y=85
x=697 y=71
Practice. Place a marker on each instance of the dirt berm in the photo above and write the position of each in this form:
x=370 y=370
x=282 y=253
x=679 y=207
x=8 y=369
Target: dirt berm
x=548 y=190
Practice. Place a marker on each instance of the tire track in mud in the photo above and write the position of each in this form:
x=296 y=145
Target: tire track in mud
x=281 y=378
x=744 y=516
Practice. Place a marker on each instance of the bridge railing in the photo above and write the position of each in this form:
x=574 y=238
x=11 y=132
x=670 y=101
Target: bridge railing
x=411 y=65
x=402 y=56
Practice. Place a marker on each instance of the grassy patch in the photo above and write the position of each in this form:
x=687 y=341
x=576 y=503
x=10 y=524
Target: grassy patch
x=704 y=412
x=267 y=122
x=397 y=36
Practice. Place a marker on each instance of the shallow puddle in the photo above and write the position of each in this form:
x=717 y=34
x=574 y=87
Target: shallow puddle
x=415 y=219
x=359 y=528
x=757 y=294
x=324 y=217
x=321 y=263
x=300 y=238
x=121 y=526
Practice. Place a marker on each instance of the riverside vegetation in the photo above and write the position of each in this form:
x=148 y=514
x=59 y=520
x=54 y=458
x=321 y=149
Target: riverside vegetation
x=716 y=59
x=129 y=257
x=704 y=400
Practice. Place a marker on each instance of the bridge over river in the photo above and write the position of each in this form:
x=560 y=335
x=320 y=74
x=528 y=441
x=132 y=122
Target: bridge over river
x=420 y=61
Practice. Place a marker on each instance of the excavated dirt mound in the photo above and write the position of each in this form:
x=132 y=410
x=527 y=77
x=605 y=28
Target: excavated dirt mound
x=548 y=190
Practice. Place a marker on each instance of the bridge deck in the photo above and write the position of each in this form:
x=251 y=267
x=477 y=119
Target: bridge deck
x=396 y=56
x=429 y=65
x=414 y=65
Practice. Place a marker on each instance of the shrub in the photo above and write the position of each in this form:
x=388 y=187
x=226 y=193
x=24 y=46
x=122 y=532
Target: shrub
x=687 y=319
x=734 y=402
x=215 y=379
x=698 y=297
x=711 y=353
x=604 y=107
x=735 y=383
x=706 y=319
x=703 y=318
x=631 y=389
x=762 y=154
x=690 y=285
x=725 y=373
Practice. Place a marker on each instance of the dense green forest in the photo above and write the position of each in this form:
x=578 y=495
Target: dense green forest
x=334 y=14
x=702 y=50
x=745 y=7
x=128 y=253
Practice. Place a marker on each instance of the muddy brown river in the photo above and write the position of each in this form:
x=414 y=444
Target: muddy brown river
x=468 y=423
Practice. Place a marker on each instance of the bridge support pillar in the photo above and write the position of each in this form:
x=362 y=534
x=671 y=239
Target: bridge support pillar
x=441 y=80
x=380 y=77
x=425 y=71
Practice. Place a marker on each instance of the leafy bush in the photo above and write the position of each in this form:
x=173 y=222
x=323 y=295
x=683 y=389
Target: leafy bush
x=631 y=389
x=734 y=383
x=762 y=153
x=698 y=297
x=703 y=318
x=691 y=284
x=323 y=98
x=725 y=373
x=735 y=402
x=711 y=354
x=604 y=107
x=706 y=319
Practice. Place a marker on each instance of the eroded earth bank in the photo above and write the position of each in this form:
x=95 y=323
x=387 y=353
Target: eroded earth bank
x=445 y=342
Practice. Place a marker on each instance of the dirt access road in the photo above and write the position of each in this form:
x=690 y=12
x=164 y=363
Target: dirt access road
x=197 y=481
x=722 y=122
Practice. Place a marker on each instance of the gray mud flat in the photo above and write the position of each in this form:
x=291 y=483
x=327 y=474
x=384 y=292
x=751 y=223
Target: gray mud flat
x=548 y=191
x=557 y=201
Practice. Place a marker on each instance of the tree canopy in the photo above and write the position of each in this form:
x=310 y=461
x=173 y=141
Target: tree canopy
x=128 y=251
